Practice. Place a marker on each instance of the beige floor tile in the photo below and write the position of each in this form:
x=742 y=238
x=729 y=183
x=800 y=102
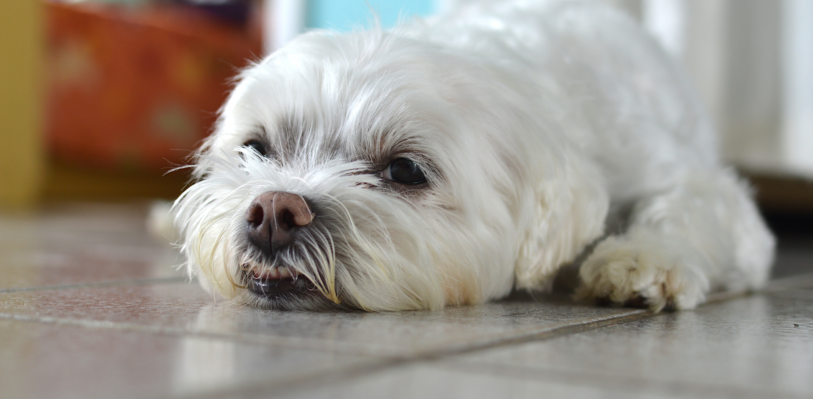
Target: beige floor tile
x=57 y=361
x=429 y=380
x=82 y=244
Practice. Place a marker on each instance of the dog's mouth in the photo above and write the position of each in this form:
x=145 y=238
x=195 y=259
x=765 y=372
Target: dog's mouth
x=272 y=283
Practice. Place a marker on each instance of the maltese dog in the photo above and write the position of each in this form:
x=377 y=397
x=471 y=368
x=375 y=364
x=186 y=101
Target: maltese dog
x=448 y=161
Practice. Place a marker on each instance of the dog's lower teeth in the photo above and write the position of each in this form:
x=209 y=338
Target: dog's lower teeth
x=273 y=282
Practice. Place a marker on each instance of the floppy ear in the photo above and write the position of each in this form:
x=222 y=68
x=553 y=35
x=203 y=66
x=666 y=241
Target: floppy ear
x=569 y=213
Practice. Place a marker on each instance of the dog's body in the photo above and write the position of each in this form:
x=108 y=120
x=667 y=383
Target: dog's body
x=447 y=162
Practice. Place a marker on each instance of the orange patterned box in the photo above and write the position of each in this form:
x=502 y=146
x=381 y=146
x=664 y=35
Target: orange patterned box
x=136 y=89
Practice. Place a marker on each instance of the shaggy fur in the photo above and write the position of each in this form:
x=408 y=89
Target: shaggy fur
x=543 y=128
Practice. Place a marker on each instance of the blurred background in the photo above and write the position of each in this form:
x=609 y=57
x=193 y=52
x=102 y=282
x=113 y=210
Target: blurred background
x=101 y=99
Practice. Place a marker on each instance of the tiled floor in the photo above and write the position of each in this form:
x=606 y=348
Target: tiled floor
x=91 y=307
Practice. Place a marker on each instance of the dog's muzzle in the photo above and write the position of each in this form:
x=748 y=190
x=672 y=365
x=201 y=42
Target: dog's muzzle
x=273 y=220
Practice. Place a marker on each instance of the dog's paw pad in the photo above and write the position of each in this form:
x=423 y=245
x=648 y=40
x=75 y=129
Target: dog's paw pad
x=640 y=274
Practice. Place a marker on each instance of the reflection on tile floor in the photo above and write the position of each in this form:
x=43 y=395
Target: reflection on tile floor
x=68 y=361
x=91 y=307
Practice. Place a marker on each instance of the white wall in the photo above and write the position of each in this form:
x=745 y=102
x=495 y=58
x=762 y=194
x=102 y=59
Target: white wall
x=751 y=62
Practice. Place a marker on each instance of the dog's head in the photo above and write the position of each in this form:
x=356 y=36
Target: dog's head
x=381 y=172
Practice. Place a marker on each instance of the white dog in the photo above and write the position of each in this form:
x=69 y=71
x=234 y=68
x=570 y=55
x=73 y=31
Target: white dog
x=449 y=161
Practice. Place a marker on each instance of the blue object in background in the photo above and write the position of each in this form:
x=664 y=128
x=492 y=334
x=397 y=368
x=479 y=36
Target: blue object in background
x=345 y=15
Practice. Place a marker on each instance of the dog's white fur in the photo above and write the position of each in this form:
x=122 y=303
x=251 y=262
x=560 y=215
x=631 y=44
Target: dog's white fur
x=546 y=129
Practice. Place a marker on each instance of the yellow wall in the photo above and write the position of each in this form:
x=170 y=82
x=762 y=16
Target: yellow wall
x=22 y=160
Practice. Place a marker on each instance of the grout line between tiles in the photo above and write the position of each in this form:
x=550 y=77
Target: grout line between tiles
x=532 y=333
x=349 y=348
x=144 y=281
x=380 y=360
x=260 y=387
x=366 y=349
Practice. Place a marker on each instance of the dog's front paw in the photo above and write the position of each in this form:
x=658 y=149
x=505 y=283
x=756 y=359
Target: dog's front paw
x=643 y=271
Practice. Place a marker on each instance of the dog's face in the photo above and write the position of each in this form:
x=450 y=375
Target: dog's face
x=376 y=172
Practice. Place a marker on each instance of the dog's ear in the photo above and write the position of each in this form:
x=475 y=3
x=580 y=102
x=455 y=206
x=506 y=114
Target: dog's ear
x=569 y=212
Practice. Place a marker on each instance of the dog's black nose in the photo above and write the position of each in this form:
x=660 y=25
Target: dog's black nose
x=274 y=217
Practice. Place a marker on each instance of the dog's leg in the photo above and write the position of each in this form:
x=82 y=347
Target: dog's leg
x=704 y=234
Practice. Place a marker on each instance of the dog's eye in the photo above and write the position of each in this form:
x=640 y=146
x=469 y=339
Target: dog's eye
x=256 y=145
x=404 y=171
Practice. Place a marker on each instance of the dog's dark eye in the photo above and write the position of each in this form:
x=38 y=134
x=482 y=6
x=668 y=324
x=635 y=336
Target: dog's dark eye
x=256 y=145
x=404 y=171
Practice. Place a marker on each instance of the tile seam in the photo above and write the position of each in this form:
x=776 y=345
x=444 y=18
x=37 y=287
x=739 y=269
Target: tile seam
x=101 y=284
x=282 y=386
x=349 y=348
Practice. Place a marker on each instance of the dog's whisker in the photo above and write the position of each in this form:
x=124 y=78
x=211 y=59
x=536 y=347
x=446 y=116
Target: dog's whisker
x=325 y=284
x=218 y=245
